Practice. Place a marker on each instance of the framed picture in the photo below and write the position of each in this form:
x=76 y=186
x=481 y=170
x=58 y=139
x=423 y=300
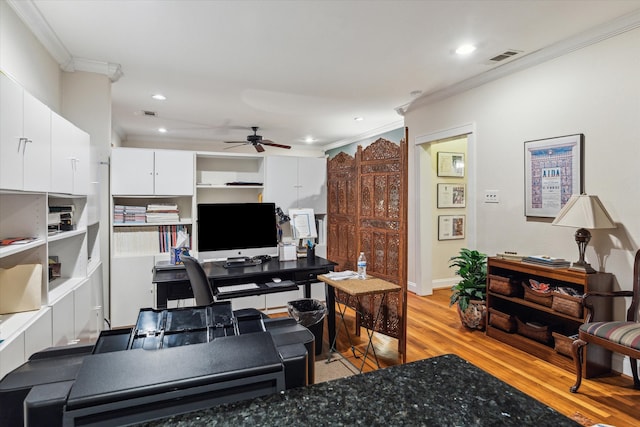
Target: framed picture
x=451 y=196
x=451 y=227
x=451 y=164
x=552 y=173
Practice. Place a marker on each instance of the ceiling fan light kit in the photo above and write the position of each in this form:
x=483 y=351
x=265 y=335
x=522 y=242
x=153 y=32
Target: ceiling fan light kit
x=257 y=141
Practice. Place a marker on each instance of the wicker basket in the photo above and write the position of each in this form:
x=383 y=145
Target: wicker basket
x=503 y=285
x=567 y=304
x=501 y=320
x=562 y=343
x=542 y=298
x=538 y=333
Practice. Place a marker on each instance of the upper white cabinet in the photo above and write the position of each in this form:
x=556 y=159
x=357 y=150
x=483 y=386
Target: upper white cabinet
x=138 y=171
x=25 y=139
x=296 y=182
x=69 y=157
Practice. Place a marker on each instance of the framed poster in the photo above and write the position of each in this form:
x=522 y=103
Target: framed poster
x=451 y=164
x=552 y=173
x=451 y=196
x=451 y=227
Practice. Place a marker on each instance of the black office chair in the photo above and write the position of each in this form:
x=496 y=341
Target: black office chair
x=199 y=282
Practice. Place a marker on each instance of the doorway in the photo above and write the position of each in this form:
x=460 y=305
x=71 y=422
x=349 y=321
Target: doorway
x=434 y=244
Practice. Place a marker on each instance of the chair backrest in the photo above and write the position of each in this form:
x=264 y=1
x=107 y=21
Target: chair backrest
x=199 y=282
x=632 y=313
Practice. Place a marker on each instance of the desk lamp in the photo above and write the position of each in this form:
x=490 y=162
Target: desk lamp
x=584 y=212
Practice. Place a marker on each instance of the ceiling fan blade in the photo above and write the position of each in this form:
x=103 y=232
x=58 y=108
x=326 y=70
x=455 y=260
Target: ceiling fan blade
x=236 y=142
x=273 y=144
x=259 y=148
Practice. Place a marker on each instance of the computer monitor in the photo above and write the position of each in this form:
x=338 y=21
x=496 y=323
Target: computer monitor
x=229 y=230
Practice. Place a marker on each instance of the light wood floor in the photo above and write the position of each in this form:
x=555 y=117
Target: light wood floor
x=434 y=329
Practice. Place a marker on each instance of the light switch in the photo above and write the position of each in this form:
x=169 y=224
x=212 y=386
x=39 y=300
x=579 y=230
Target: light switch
x=491 y=196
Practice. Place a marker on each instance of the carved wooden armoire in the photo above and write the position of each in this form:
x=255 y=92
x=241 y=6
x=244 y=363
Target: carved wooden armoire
x=367 y=212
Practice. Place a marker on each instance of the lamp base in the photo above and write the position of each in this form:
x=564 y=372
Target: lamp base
x=582 y=267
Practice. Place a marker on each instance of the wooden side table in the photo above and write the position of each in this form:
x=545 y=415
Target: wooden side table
x=357 y=288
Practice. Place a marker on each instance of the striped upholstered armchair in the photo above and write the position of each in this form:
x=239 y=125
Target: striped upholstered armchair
x=619 y=337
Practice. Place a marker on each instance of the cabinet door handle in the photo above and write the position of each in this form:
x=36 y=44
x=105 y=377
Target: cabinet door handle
x=20 y=141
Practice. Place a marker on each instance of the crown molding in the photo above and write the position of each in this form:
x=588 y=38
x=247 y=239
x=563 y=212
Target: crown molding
x=595 y=35
x=33 y=19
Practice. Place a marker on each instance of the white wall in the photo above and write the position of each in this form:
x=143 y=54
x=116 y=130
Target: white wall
x=24 y=59
x=594 y=91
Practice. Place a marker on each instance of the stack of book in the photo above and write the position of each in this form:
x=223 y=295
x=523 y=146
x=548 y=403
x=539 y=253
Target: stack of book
x=162 y=212
x=547 y=261
x=129 y=214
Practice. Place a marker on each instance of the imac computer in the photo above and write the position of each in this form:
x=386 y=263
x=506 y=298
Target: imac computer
x=236 y=230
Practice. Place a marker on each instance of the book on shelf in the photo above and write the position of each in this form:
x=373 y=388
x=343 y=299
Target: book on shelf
x=510 y=255
x=547 y=261
x=129 y=214
x=8 y=241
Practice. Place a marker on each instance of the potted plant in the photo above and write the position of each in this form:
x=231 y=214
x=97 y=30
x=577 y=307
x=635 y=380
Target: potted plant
x=470 y=292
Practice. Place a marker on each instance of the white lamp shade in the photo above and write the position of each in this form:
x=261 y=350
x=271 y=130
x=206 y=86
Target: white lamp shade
x=584 y=211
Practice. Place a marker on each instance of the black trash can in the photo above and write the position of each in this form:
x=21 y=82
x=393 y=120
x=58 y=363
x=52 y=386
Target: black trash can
x=310 y=313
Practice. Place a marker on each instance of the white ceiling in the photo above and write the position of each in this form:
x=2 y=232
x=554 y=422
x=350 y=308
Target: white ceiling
x=295 y=68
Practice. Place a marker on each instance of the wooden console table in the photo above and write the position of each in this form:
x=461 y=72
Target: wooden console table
x=358 y=288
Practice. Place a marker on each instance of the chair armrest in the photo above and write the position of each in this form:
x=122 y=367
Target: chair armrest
x=589 y=306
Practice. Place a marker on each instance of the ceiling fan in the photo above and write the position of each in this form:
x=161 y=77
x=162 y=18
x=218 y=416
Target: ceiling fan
x=257 y=141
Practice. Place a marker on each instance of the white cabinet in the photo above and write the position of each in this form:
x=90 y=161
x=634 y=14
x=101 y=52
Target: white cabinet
x=36 y=172
x=69 y=157
x=296 y=182
x=25 y=139
x=138 y=171
x=131 y=288
x=63 y=321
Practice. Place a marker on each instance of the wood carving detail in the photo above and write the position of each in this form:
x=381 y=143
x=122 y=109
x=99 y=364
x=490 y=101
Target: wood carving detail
x=370 y=203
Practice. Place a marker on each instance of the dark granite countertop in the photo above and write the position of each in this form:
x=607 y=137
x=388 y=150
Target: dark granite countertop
x=441 y=391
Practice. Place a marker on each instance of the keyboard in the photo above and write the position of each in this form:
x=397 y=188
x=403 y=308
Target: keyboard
x=236 y=288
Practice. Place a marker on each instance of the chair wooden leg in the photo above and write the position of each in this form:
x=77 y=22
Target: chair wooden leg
x=634 y=371
x=577 y=353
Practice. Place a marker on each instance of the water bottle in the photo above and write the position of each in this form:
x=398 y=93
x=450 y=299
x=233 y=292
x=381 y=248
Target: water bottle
x=362 y=266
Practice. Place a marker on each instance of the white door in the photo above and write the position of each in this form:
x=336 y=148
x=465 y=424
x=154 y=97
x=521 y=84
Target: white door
x=281 y=182
x=131 y=288
x=312 y=184
x=131 y=172
x=174 y=173
x=62 y=156
x=11 y=124
x=81 y=143
x=37 y=151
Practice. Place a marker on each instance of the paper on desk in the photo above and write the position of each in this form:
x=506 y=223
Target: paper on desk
x=341 y=275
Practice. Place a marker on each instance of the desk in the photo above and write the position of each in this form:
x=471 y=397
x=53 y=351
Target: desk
x=358 y=288
x=441 y=391
x=173 y=284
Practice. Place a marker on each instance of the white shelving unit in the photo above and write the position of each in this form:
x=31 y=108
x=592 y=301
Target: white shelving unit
x=140 y=177
x=66 y=302
x=216 y=178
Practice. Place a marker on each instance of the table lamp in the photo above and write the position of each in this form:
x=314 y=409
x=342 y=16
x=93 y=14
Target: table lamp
x=585 y=212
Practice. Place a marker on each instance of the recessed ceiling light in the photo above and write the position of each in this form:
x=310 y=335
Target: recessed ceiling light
x=309 y=140
x=159 y=97
x=465 y=49
x=162 y=130
x=358 y=119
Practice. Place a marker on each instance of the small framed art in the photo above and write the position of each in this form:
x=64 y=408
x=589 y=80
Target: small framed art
x=451 y=196
x=451 y=227
x=451 y=164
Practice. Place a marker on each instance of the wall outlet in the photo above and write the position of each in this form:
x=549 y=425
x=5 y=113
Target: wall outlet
x=491 y=196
